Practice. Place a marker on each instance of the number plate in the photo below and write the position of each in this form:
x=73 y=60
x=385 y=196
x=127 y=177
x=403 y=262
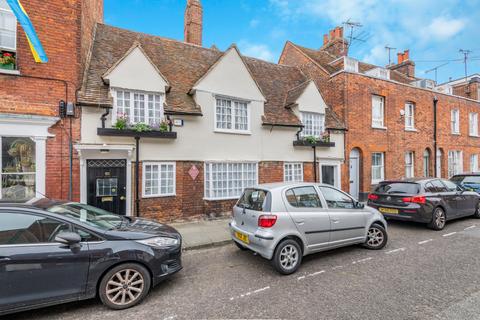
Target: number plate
x=242 y=237
x=388 y=210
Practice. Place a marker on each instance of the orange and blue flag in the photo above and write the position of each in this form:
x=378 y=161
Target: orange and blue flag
x=33 y=40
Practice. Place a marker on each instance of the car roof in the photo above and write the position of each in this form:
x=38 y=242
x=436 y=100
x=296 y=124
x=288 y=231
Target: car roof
x=34 y=204
x=475 y=174
x=411 y=180
x=282 y=185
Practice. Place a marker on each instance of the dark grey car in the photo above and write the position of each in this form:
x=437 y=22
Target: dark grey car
x=53 y=253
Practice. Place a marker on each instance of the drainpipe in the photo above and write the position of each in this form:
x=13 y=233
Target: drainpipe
x=315 y=164
x=435 y=101
x=137 y=177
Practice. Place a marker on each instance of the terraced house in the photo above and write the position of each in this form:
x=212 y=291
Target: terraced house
x=172 y=130
x=398 y=125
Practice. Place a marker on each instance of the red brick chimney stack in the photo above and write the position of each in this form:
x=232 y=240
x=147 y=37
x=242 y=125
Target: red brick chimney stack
x=334 y=43
x=193 y=22
x=404 y=64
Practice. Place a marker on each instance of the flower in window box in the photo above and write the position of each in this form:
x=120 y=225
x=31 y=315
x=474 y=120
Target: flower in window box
x=7 y=61
x=141 y=127
x=311 y=139
x=122 y=121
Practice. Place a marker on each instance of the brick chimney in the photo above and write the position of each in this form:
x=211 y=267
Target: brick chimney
x=404 y=64
x=193 y=22
x=334 y=43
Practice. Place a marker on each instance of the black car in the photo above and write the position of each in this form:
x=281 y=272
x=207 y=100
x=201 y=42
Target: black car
x=469 y=181
x=428 y=200
x=54 y=252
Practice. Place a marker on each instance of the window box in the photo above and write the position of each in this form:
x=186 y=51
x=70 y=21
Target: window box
x=9 y=66
x=111 y=132
x=305 y=143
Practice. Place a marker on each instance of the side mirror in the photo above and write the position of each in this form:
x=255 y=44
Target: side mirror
x=359 y=205
x=68 y=238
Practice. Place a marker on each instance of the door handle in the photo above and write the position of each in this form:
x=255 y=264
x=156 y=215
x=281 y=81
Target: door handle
x=335 y=220
x=300 y=221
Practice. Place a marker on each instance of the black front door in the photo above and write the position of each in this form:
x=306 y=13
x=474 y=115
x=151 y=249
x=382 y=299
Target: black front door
x=106 y=187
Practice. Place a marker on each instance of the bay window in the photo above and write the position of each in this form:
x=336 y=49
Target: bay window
x=293 y=172
x=227 y=180
x=378 y=167
x=158 y=179
x=138 y=107
x=17 y=163
x=231 y=115
x=314 y=124
x=378 y=111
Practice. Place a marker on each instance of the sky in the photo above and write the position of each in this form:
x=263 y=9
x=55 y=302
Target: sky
x=433 y=30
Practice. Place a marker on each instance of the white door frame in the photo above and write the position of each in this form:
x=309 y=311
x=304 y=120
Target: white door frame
x=89 y=151
x=338 y=170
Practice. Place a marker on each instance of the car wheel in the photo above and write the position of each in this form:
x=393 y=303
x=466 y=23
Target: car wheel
x=287 y=257
x=377 y=237
x=124 y=286
x=438 y=219
x=240 y=246
x=477 y=211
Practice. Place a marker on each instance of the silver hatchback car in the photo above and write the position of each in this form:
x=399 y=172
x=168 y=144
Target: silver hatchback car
x=285 y=221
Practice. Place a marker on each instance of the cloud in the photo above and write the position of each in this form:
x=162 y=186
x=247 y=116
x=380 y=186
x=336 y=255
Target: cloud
x=254 y=23
x=260 y=51
x=443 y=28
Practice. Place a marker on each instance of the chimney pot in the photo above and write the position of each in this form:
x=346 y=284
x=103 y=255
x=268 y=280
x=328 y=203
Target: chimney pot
x=406 y=55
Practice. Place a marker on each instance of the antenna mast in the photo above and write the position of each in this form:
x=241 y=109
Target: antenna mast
x=389 y=49
x=435 y=69
x=352 y=26
x=465 y=53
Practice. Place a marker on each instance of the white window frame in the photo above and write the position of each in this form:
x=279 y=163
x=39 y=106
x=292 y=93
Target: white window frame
x=233 y=118
x=409 y=164
x=10 y=12
x=210 y=181
x=409 y=116
x=381 y=166
x=378 y=123
x=289 y=171
x=473 y=124
x=337 y=174
x=159 y=194
x=131 y=107
x=474 y=163
x=455 y=162
x=317 y=121
x=455 y=121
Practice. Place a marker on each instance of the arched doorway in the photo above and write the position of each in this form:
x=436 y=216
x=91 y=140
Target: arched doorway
x=354 y=171
x=426 y=163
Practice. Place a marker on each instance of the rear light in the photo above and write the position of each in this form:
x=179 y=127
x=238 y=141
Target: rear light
x=373 y=197
x=267 y=221
x=416 y=199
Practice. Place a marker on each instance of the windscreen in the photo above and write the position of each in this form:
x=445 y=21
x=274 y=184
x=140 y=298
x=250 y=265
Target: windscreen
x=398 y=188
x=253 y=199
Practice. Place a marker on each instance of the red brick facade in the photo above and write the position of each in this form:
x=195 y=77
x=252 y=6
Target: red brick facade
x=189 y=202
x=64 y=28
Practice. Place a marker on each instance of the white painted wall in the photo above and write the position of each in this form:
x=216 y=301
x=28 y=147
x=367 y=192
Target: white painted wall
x=311 y=100
x=137 y=73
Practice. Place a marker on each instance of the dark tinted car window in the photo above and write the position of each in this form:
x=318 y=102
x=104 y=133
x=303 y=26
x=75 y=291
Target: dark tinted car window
x=87 y=236
x=303 y=197
x=336 y=199
x=450 y=185
x=466 y=179
x=21 y=228
x=438 y=186
x=253 y=199
x=398 y=188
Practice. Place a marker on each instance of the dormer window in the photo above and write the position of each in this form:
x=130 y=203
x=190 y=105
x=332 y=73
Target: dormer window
x=138 y=107
x=314 y=124
x=232 y=116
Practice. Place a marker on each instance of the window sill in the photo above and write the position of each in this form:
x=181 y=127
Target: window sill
x=159 y=196
x=379 y=128
x=245 y=133
x=411 y=129
x=474 y=135
x=7 y=71
x=455 y=133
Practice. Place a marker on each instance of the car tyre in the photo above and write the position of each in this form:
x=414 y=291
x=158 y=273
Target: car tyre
x=477 y=211
x=377 y=237
x=439 y=219
x=124 y=286
x=287 y=257
x=240 y=246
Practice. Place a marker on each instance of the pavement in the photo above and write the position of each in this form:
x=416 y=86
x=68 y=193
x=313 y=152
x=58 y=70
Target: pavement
x=420 y=274
x=204 y=233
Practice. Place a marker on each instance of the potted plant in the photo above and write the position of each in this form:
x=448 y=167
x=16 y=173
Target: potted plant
x=311 y=139
x=122 y=122
x=7 y=61
x=141 y=127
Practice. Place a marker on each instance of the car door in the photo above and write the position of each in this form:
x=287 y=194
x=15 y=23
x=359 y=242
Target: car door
x=34 y=269
x=448 y=198
x=347 y=221
x=465 y=201
x=309 y=215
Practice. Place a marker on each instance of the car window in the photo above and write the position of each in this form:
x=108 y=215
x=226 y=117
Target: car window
x=24 y=228
x=336 y=199
x=303 y=197
x=398 y=188
x=471 y=180
x=87 y=236
x=253 y=199
x=429 y=187
x=438 y=186
x=450 y=185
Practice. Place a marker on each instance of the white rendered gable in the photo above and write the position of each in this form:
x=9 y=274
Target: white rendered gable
x=230 y=77
x=311 y=100
x=136 y=72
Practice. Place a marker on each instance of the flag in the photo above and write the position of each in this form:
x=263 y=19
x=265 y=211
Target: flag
x=33 y=40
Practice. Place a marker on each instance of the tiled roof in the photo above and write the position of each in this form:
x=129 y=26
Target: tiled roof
x=183 y=65
x=295 y=93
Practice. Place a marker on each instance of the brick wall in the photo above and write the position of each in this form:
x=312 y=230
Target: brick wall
x=58 y=25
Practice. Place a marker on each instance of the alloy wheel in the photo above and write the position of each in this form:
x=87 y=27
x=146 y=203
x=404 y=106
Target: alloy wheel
x=439 y=218
x=289 y=257
x=375 y=237
x=125 y=287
